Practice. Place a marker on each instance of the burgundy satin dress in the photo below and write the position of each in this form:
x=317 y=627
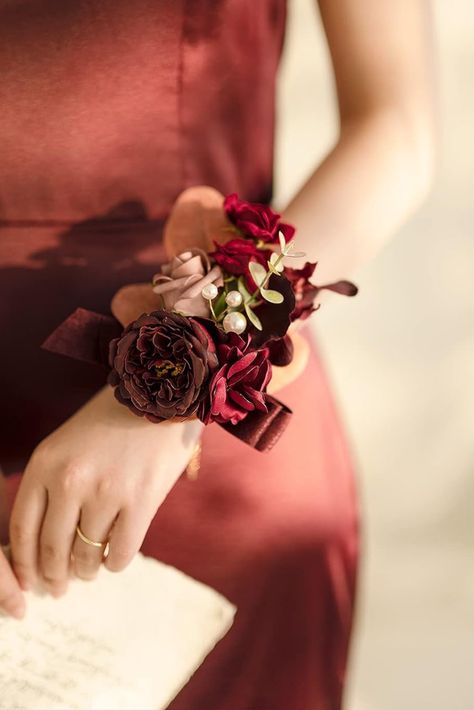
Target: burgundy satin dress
x=108 y=109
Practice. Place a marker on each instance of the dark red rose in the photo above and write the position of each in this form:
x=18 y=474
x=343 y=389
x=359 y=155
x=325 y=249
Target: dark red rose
x=162 y=365
x=235 y=255
x=306 y=292
x=238 y=386
x=256 y=220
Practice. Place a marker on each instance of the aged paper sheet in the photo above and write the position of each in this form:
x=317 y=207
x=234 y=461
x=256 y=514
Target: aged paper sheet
x=130 y=640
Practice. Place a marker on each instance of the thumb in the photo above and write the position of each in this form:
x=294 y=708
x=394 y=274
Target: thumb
x=3 y=509
x=11 y=599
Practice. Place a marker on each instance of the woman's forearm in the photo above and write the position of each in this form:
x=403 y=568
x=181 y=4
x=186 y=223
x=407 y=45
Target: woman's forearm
x=375 y=176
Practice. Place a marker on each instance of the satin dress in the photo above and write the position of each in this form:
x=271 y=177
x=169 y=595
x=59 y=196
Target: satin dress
x=108 y=110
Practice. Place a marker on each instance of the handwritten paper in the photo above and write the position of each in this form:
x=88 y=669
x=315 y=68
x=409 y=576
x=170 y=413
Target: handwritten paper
x=130 y=640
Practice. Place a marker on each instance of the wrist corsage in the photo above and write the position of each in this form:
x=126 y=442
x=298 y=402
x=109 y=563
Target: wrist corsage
x=204 y=338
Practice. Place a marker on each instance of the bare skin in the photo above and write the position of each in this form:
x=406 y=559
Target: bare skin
x=12 y=601
x=383 y=162
x=105 y=466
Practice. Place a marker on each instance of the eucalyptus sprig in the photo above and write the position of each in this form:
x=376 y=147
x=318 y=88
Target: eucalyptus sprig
x=262 y=276
x=220 y=307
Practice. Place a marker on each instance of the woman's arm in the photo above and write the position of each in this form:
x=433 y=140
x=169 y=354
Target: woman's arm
x=382 y=165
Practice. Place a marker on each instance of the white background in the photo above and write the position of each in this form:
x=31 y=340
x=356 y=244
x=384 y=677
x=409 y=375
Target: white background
x=401 y=357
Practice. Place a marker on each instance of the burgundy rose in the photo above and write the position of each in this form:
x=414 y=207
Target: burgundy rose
x=238 y=385
x=306 y=292
x=235 y=255
x=256 y=220
x=162 y=365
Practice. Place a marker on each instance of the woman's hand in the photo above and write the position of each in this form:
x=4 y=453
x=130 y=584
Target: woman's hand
x=12 y=601
x=106 y=469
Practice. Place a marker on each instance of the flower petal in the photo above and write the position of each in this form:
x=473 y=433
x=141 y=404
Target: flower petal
x=241 y=400
x=241 y=364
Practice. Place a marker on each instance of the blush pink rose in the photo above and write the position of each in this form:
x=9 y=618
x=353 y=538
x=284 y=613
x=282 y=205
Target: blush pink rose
x=181 y=281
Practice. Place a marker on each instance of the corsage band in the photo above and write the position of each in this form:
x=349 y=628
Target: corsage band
x=200 y=340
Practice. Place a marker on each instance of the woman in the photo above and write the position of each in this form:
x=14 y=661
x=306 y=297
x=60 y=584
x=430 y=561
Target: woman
x=109 y=110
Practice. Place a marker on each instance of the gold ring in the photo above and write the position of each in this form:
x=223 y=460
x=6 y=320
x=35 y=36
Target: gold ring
x=87 y=540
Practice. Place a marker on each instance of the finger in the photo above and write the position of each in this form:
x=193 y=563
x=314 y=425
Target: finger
x=56 y=541
x=126 y=538
x=25 y=525
x=96 y=523
x=12 y=600
x=3 y=509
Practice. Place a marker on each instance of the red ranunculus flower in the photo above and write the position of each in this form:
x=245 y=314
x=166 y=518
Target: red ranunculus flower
x=256 y=220
x=235 y=255
x=238 y=386
x=162 y=365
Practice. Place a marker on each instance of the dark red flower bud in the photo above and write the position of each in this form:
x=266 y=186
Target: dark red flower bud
x=306 y=292
x=235 y=255
x=256 y=220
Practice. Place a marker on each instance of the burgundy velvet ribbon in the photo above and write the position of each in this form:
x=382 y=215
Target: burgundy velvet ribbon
x=85 y=335
x=262 y=429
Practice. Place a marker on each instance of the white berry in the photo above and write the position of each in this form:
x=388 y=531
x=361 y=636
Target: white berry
x=234 y=323
x=209 y=292
x=233 y=299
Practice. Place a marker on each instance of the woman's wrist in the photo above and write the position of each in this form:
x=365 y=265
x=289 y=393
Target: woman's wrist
x=117 y=414
x=122 y=416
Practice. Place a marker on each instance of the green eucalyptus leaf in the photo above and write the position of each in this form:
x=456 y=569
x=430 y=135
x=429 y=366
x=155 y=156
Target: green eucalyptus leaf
x=253 y=318
x=243 y=289
x=259 y=273
x=219 y=303
x=271 y=296
x=296 y=254
x=277 y=263
x=282 y=239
